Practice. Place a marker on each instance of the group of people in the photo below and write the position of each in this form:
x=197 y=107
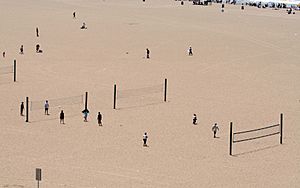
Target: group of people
x=215 y=127
x=62 y=114
x=37 y=47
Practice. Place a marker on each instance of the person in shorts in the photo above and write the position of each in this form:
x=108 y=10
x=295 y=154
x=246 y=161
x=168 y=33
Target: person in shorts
x=46 y=106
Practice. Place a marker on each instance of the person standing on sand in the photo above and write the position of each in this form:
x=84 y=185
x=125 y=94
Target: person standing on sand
x=74 y=15
x=22 y=49
x=145 y=138
x=3 y=54
x=215 y=128
x=37 y=48
x=85 y=114
x=147 y=53
x=37 y=31
x=62 y=117
x=46 y=108
x=22 y=109
x=195 y=119
x=99 y=118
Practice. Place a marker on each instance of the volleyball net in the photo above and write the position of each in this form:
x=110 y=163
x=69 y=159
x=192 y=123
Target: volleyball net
x=72 y=106
x=140 y=96
x=253 y=134
x=57 y=102
x=12 y=69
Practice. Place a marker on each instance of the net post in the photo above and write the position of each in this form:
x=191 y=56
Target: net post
x=27 y=110
x=230 y=139
x=165 y=91
x=115 y=96
x=281 y=127
x=86 y=101
x=15 y=70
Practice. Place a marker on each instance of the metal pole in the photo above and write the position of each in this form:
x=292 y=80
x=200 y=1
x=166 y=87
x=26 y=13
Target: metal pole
x=230 y=139
x=27 y=111
x=115 y=96
x=38 y=184
x=15 y=70
x=281 y=127
x=165 y=92
x=86 y=100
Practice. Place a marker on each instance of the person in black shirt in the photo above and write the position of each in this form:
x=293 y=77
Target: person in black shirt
x=62 y=117
x=99 y=118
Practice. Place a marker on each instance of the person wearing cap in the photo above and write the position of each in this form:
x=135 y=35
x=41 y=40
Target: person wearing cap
x=215 y=128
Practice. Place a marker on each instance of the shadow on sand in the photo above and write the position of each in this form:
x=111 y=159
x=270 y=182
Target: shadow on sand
x=256 y=150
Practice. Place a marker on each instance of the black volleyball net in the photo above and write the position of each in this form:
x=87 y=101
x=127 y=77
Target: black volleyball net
x=57 y=102
x=140 y=96
x=253 y=134
x=72 y=106
x=7 y=71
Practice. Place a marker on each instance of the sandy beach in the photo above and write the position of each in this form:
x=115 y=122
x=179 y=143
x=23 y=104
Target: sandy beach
x=244 y=69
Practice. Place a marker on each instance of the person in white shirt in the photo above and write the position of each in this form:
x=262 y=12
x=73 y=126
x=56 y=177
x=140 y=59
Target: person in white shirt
x=145 y=138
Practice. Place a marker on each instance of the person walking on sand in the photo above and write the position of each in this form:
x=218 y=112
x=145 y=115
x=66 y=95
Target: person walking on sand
x=99 y=118
x=195 y=119
x=37 y=31
x=46 y=106
x=190 y=51
x=62 y=117
x=22 y=49
x=145 y=138
x=85 y=114
x=215 y=128
x=22 y=109
x=147 y=53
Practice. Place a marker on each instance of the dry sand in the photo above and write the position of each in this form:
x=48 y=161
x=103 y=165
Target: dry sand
x=245 y=69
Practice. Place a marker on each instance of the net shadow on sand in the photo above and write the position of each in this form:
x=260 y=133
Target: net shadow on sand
x=139 y=105
x=52 y=118
x=256 y=150
x=13 y=186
